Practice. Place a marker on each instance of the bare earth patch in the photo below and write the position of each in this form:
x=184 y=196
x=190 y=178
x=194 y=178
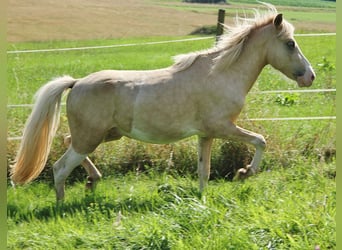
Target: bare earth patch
x=36 y=20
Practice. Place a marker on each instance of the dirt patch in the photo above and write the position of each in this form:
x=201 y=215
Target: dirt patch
x=35 y=20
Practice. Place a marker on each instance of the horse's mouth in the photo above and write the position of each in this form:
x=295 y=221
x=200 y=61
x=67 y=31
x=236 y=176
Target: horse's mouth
x=304 y=79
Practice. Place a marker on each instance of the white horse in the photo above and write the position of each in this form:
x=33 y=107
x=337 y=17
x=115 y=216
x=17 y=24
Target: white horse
x=201 y=94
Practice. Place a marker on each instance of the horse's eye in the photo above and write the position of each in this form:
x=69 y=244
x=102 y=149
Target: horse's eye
x=291 y=44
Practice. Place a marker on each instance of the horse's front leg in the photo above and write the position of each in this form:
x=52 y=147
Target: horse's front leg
x=204 y=154
x=258 y=141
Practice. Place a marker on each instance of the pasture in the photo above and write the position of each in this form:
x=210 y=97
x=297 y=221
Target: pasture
x=146 y=202
x=148 y=198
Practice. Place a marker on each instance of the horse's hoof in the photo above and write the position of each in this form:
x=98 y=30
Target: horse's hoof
x=244 y=173
x=89 y=186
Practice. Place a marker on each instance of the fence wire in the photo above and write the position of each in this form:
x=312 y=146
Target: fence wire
x=14 y=106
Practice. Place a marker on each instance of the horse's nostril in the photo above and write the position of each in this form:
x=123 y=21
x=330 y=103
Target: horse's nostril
x=313 y=77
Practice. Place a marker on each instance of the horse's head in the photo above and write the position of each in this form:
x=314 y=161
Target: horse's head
x=285 y=55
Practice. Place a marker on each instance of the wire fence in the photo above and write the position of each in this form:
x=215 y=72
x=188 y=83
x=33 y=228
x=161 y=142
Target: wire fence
x=14 y=106
x=254 y=92
x=135 y=44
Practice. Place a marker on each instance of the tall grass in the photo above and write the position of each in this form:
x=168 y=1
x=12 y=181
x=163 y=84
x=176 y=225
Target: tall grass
x=290 y=208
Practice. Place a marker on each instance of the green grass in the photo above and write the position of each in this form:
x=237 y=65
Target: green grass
x=308 y=16
x=290 y=208
x=29 y=71
x=315 y=10
x=315 y=15
x=291 y=204
x=306 y=3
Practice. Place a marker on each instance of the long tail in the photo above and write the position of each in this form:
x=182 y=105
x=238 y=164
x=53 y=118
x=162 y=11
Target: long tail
x=39 y=131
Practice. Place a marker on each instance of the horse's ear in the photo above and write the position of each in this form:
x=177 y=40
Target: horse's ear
x=278 y=20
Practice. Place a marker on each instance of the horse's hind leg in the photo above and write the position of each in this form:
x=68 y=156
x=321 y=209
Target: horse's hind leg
x=63 y=167
x=93 y=172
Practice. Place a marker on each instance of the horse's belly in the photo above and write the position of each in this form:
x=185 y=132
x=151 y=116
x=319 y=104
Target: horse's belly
x=160 y=137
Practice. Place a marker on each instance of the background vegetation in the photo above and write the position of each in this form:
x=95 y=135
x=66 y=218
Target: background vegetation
x=148 y=198
x=29 y=71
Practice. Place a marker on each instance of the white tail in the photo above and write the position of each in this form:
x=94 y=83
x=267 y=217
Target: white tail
x=39 y=131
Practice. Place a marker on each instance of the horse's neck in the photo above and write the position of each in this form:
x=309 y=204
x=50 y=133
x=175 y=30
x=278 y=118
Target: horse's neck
x=246 y=69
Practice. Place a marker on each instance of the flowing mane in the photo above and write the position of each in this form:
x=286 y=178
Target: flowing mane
x=231 y=44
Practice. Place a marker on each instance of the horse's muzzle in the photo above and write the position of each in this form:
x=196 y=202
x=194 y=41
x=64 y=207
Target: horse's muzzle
x=306 y=79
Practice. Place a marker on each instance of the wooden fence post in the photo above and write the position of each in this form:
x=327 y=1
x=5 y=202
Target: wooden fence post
x=220 y=21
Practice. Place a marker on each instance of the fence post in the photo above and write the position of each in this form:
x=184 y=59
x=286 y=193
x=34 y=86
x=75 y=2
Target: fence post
x=220 y=21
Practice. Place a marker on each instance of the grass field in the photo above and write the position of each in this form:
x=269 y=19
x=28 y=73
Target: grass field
x=290 y=208
x=291 y=205
x=149 y=197
x=307 y=3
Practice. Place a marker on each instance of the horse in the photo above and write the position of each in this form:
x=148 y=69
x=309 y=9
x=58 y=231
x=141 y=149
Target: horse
x=201 y=94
